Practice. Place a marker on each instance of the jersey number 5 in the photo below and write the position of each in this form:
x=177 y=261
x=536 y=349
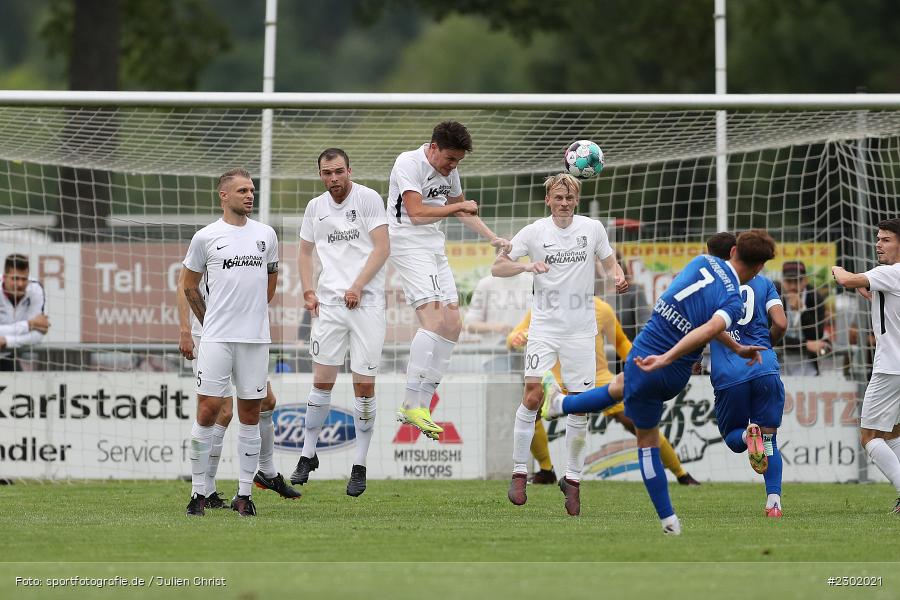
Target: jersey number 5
x=696 y=286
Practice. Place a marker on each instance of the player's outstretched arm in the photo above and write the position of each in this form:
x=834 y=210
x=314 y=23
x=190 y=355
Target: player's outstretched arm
x=422 y=214
x=849 y=280
x=752 y=353
x=697 y=338
x=504 y=266
x=473 y=222
x=185 y=341
x=380 y=251
x=192 y=293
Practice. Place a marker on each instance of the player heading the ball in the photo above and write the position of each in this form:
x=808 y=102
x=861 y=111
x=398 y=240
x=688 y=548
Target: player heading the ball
x=425 y=188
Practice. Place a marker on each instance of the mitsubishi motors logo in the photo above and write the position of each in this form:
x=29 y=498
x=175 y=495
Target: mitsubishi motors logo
x=408 y=434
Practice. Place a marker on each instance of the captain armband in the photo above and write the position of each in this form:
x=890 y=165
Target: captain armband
x=272 y=267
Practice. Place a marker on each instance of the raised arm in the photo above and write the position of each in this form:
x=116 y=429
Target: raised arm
x=504 y=266
x=697 y=338
x=849 y=280
x=191 y=283
x=474 y=223
x=423 y=214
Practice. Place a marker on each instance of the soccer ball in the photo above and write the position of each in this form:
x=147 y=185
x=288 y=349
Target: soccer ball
x=584 y=159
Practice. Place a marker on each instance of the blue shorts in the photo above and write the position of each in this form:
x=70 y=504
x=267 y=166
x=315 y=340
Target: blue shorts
x=759 y=400
x=645 y=392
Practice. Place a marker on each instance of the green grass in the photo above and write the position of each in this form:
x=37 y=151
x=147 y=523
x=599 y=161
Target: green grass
x=463 y=538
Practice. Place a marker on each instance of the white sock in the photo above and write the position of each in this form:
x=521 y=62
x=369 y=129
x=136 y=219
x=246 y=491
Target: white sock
x=215 y=453
x=317 y=408
x=576 y=433
x=894 y=445
x=886 y=461
x=421 y=351
x=522 y=434
x=201 y=444
x=773 y=500
x=267 y=444
x=364 y=422
x=248 y=456
x=438 y=367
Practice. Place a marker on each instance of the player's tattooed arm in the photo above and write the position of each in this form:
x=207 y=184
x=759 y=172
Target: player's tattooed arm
x=185 y=341
x=192 y=293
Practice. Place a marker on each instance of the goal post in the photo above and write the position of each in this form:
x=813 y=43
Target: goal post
x=103 y=191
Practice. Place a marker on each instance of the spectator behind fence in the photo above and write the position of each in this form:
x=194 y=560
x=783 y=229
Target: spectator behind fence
x=807 y=316
x=631 y=307
x=497 y=305
x=22 y=319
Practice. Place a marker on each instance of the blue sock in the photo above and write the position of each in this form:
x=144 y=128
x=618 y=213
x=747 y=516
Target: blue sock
x=773 y=473
x=734 y=439
x=655 y=481
x=594 y=400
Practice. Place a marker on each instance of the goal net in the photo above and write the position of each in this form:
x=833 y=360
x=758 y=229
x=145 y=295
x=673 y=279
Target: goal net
x=104 y=200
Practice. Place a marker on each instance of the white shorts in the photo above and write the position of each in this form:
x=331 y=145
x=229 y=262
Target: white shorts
x=575 y=355
x=336 y=327
x=426 y=278
x=221 y=362
x=881 y=404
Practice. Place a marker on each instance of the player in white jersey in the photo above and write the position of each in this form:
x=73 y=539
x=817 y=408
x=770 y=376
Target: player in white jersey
x=347 y=228
x=22 y=304
x=267 y=477
x=425 y=188
x=240 y=259
x=563 y=249
x=879 y=423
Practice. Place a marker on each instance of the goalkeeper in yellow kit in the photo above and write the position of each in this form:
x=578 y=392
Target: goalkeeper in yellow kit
x=608 y=329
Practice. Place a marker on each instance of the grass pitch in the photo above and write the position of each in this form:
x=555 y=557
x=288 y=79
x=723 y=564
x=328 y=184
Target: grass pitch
x=459 y=539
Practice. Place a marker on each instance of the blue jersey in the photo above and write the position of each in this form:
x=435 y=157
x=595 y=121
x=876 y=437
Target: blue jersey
x=752 y=329
x=705 y=287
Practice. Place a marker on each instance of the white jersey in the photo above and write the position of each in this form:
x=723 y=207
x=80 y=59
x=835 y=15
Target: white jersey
x=413 y=172
x=884 y=281
x=563 y=303
x=14 y=317
x=342 y=235
x=236 y=263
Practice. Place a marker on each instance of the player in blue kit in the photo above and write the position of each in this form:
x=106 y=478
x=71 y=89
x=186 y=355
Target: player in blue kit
x=702 y=302
x=750 y=400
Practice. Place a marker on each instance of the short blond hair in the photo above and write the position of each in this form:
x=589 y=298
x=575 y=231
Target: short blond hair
x=231 y=174
x=562 y=179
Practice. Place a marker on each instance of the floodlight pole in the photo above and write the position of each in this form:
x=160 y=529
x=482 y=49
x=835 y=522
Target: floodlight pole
x=265 y=157
x=721 y=122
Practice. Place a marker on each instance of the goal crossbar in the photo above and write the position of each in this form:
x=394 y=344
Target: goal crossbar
x=459 y=101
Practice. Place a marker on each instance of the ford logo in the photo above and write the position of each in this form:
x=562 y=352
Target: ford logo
x=290 y=421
